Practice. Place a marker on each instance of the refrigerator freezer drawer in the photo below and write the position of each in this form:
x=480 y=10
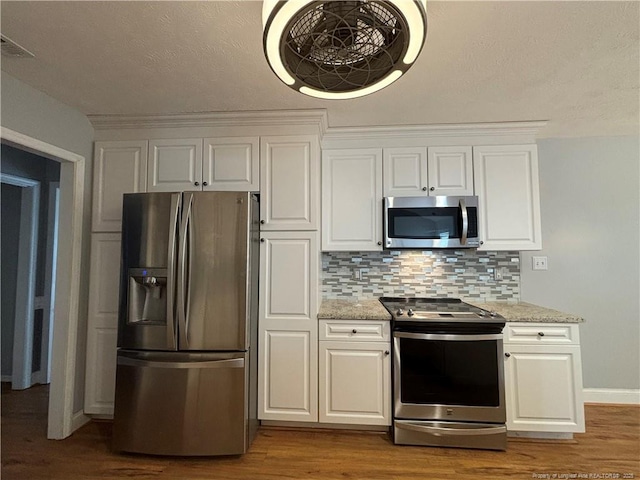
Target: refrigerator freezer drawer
x=182 y=404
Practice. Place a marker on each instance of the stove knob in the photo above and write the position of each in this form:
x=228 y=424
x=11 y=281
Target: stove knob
x=410 y=312
x=493 y=314
x=400 y=312
x=482 y=313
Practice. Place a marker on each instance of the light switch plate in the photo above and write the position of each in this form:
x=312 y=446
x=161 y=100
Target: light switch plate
x=540 y=263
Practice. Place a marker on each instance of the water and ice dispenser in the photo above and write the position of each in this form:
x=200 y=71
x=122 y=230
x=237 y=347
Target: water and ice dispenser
x=147 y=296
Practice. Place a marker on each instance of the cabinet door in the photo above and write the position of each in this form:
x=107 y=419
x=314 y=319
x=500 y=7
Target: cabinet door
x=355 y=383
x=506 y=182
x=231 y=163
x=289 y=183
x=405 y=172
x=352 y=200
x=450 y=171
x=175 y=165
x=288 y=331
x=102 y=324
x=543 y=388
x=119 y=167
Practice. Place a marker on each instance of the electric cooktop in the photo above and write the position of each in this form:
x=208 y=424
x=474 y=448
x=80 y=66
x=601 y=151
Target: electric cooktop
x=437 y=309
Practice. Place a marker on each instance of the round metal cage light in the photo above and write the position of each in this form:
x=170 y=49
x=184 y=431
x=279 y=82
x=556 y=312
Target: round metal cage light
x=342 y=49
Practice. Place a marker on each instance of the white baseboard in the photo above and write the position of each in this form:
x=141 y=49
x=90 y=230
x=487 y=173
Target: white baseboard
x=612 y=395
x=78 y=420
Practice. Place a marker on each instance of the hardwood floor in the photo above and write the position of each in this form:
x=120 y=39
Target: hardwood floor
x=610 y=447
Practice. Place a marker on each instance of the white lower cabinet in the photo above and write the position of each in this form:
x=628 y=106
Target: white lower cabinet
x=102 y=328
x=543 y=378
x=354 y=372
x=288 y=331
x=288 y=379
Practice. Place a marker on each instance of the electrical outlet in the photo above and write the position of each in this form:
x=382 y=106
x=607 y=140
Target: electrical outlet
x=357 y=274
x=498 y=274
x=539 y=263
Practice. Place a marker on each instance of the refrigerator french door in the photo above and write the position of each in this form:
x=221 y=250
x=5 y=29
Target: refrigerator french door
x=186 y=372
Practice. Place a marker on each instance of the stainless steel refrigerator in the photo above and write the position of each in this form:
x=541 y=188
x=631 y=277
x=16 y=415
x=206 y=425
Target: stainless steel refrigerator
x=186 y=378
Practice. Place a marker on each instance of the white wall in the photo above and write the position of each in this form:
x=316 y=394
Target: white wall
x=589 y=191
x=33 y=113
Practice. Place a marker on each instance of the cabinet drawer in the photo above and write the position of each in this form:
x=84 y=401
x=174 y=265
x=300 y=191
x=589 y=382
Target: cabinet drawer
x=354 y=330
x=541 y=333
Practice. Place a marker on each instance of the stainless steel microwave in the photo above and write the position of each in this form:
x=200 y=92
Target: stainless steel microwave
x=431 y=222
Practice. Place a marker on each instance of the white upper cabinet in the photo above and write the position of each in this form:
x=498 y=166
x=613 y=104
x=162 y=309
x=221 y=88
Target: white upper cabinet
x=231 y=163
x=352 y=199
x=405 y=172
x=450 y=171
x=212 y=164
x=119 y=167
x=175 y=165
x=507 y=185
x=289 y=182
x=418 y=171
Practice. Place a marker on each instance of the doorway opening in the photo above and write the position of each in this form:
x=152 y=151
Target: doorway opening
x=63 y=416
x=29 y=185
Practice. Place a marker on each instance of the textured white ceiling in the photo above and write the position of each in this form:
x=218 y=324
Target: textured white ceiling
x=575 y=64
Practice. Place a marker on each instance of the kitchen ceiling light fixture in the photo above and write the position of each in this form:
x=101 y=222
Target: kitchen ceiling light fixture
x=342 y=49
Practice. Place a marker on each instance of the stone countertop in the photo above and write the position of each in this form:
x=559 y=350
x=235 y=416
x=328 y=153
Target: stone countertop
x=527 y=312
x=356 y=309
x=372 y=309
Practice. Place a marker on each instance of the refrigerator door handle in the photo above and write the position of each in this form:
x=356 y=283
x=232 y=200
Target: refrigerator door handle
x=226 y=363
x=183 y=303
x=171 y=273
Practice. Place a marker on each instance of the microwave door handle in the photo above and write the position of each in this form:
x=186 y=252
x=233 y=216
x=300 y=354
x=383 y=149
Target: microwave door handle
x=465 y=222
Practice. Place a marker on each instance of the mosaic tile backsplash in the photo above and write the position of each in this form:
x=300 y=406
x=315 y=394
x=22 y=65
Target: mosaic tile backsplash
x=431 y=273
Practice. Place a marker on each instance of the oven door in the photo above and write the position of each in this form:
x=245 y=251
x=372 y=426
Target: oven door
x=448 y=377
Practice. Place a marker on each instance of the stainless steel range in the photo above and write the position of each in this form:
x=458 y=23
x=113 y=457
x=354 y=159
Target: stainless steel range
x=448 y=378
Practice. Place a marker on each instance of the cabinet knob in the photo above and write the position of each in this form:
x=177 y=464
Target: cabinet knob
x=507 y=354
x=386 y=352
x=424 y=189
x=354 y=331
x=205 y=183
x=262 y=240
x=379 y=243
x=261 y=222
x=541 y=334
x=432 y=188
x=481 y=242
x=197 y=184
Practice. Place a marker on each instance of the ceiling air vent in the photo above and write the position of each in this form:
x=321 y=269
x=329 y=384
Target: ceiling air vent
x=9 y=48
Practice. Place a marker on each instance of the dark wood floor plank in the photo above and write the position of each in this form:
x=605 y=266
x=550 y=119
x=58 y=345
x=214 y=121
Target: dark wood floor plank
x=610 y=446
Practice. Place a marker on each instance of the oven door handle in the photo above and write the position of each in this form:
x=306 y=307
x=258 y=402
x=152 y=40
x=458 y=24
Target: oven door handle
x=447 y=336
x=451 y=431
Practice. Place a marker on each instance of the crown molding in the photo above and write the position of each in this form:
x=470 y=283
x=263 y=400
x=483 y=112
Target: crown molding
x=314 y=118
x=501 y=129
